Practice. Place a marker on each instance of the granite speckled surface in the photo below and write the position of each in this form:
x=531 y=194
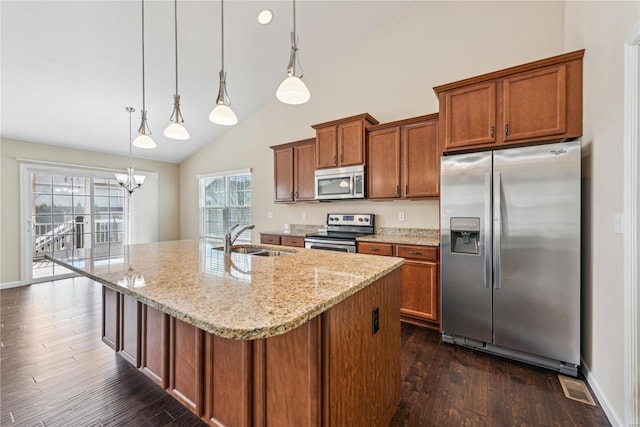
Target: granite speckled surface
x=295 y=230
x=406 y=236
x=234 y=296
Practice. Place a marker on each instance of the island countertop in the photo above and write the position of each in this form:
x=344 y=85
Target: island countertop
x=235 y=296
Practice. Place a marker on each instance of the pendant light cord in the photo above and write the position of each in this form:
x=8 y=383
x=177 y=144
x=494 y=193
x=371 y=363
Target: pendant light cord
x=130 y=110
x=294 y=22
x=175 y=7
x=143 y=85
x=222 y=31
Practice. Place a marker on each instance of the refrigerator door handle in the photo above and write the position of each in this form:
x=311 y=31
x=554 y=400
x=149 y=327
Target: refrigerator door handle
x=497 y=229
x=487 y=230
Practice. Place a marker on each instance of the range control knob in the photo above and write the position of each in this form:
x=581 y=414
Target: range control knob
x=366 y=220
x=360 y=219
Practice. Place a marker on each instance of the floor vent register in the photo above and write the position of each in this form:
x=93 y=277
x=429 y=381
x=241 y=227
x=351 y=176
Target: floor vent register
x=576 y=390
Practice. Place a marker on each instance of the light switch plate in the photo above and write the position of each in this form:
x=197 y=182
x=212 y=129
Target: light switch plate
x=304 y=215
x=617 y=223
x=270 y=215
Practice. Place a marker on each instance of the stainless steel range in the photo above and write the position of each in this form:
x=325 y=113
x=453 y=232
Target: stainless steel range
x=342 y=231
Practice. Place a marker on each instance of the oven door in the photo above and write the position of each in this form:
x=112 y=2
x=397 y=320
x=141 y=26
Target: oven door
x=330 y=245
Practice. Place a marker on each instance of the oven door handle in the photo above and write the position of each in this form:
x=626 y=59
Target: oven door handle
x=330 y=242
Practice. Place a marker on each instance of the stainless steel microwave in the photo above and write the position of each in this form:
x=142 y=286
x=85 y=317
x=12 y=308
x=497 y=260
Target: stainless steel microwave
x=340 y=183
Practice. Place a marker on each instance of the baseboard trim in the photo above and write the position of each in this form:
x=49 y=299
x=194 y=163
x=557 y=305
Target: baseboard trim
x=10 y=285
x=612 y=416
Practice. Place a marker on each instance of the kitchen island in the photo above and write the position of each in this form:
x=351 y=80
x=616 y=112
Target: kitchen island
x=307 y=338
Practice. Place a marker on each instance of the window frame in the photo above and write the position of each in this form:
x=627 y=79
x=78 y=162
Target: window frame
x=201 y=200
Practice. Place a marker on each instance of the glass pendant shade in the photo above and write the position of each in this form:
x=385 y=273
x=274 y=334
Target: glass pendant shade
x=293 y=91
x=144 y=141
x=176 y=131
x=223 y=115
x=122 y=178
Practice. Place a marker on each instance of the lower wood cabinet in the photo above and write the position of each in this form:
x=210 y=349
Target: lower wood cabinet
x=274 y=239
x=130 y=328
x=420 y=280
x=111 y=318
x=186 y=364
x=155 y=345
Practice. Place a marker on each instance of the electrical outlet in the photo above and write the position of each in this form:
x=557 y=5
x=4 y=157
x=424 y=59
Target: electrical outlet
x=375 y=320
x=270 y=215
x=401 y=216
x=304 y=215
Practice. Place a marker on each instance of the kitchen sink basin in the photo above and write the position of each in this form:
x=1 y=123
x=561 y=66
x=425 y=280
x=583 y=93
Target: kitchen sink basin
x=250 y=250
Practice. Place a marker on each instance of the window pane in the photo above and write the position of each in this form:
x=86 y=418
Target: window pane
x=226 y=202
x=43 y=203
x=81 y=205
x=62 y=204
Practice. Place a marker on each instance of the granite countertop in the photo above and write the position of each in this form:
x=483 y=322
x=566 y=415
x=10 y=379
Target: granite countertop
x=401 y=239
x=402 y=236
x=235 y=296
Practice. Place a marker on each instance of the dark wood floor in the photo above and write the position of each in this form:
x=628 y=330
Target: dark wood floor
x=55 y=371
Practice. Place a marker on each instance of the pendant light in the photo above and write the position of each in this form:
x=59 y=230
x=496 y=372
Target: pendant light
x=176 y=129
x=293 y=90
x=143 y=140
x=129 y=181
x=222 y=114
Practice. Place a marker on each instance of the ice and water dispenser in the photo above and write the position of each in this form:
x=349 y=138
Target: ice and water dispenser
x=465 y=235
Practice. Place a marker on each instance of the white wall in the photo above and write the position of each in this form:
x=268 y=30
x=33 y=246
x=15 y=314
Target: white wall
x=600 y=28
x=389 y=74
x=165 y=203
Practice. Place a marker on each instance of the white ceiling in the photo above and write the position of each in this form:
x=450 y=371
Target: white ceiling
x=69 y=68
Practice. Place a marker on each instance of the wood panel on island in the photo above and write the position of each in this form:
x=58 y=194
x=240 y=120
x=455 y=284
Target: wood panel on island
x=537 y=101
x=275 y=239
x=294 y=166
x=342 y=142
x=419 y=284
x=403 y=159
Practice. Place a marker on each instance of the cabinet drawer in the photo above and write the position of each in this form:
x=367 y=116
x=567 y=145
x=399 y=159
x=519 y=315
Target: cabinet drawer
x=292 y=241
x=270 y=239
x=375 y=248
x=427 y=253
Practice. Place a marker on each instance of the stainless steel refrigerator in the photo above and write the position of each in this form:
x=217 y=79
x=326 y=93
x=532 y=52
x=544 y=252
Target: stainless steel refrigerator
x=510 y=253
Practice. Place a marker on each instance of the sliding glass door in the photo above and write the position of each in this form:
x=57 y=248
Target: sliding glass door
x=71 y=209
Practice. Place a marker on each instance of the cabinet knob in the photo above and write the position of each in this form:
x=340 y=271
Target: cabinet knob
x=335 y=160
x=297 y=195
x=492 y=129
x=506 y=129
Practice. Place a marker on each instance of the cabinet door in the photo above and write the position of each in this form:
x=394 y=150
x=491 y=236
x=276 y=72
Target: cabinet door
x=535 y=104
x=419 y=290
x=283 y=171
x=470 y=116
x=383 y=160
x=351 y=143
x=421 y=160
x=327 y=147
x=304 y=164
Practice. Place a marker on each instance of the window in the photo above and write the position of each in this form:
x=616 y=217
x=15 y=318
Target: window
x=225 y=200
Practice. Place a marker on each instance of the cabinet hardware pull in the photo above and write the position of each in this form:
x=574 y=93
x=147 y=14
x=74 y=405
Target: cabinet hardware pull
x=506 y=129
x=374 y=249
x=297 y=195
x=335 y=160
x=492 y=131
x=397 y=190
x=406 y=189
x=415 y=253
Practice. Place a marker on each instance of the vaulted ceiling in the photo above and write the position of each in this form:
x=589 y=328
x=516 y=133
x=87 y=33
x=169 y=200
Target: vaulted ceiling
x=69 y=68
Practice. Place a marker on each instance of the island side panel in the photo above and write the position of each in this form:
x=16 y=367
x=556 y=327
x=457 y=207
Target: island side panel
x=186 y=371
x=110 y=317
x=292 y=377
x=130 y=324
x=362 y=373
x=228 y=370
x=155 y=345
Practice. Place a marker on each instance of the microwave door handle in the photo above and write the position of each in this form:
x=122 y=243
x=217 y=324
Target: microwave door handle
x=352 y=186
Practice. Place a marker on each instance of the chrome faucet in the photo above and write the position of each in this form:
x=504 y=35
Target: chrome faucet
x=229 y=240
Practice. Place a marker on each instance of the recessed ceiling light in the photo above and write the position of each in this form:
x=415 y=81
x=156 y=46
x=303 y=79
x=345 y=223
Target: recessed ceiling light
x=265 y=16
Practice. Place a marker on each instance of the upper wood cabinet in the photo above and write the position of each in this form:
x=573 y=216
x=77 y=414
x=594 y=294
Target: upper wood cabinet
x=403 y=159
x=342 y=142
x=294 y=166
x=538 y=101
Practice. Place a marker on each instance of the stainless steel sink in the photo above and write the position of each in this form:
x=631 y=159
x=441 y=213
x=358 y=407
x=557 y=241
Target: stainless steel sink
x=250 y=250
x=271 y=253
